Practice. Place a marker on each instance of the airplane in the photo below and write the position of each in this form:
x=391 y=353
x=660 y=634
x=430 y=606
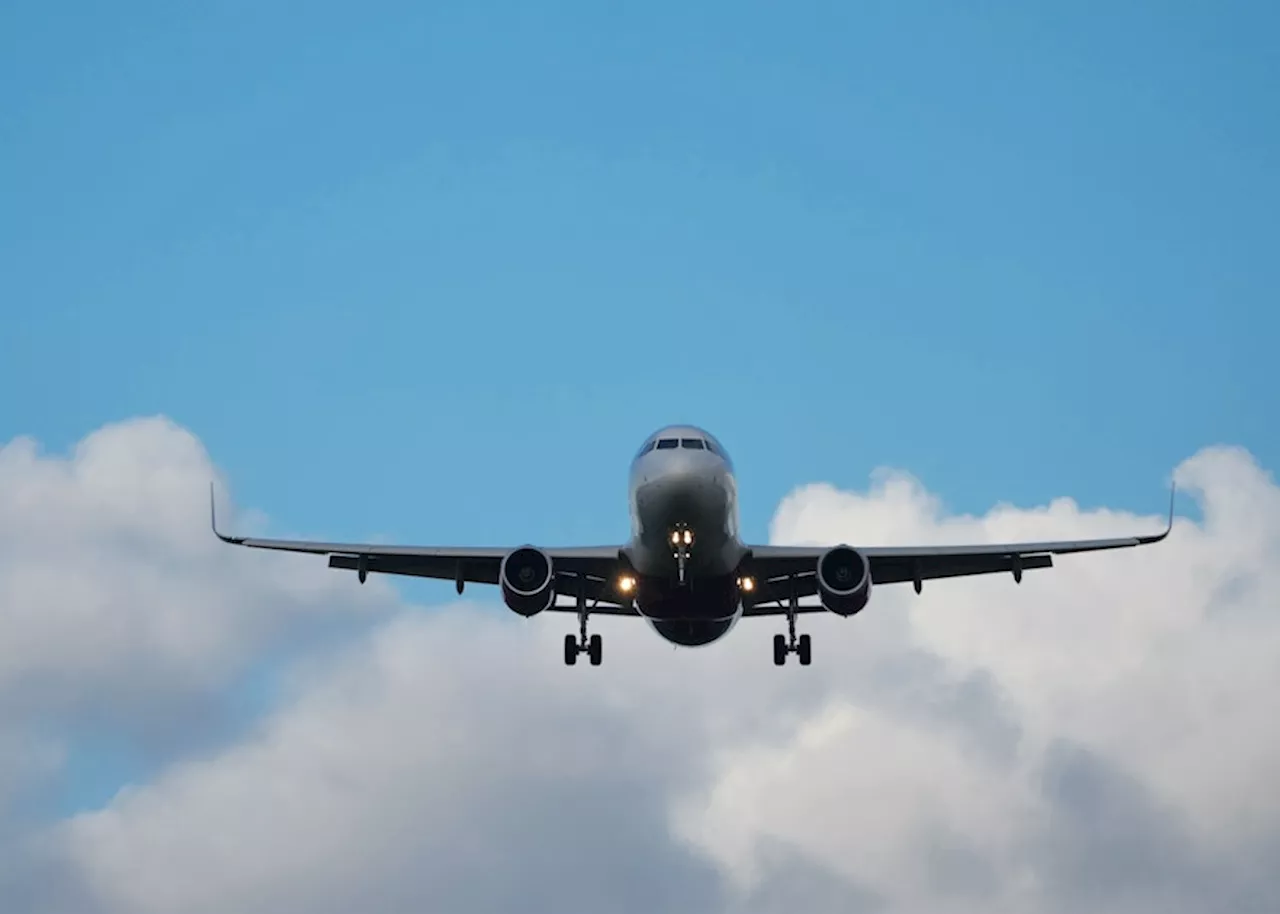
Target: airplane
x=685 y=569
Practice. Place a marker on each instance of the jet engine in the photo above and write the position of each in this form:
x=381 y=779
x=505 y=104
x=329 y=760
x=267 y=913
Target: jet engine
x=844 y=580
x=527 y=580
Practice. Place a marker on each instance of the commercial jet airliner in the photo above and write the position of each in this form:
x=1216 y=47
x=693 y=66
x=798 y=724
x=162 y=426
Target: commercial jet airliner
x=685 y=570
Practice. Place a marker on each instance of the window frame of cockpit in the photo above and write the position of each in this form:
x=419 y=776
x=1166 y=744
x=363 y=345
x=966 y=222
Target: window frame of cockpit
x=705 y=444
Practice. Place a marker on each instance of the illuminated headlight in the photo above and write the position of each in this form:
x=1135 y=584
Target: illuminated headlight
x=747 y=584
x=688 y=537
x=626 y=583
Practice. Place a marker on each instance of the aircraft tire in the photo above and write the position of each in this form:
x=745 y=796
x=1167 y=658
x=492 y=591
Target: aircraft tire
x=595 y=649
x=779 y=650
x=570 y=650
x=805 y=650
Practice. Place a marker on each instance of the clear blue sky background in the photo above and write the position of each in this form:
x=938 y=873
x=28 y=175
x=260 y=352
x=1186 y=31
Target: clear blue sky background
x=461 y=256
x=432 y=271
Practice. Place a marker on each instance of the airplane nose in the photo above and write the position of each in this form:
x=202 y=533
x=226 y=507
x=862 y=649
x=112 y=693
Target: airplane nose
x=684 y=489
x=684 y=469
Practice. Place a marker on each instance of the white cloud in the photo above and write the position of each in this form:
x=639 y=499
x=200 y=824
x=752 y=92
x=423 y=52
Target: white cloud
x=123 y=621
x=1095 y=739
x=111 y=579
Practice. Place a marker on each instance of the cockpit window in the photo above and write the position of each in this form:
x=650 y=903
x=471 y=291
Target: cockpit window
x=693 y=444
x=710 y=447
x=666 y=444
x=648 y=446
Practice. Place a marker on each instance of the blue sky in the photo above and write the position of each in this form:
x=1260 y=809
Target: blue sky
x=418 y=270
x=431 y=272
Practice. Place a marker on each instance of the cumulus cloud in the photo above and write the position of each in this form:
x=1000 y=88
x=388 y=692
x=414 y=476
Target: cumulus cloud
x=110 y=577
x=1094 y=739
x=121 y=617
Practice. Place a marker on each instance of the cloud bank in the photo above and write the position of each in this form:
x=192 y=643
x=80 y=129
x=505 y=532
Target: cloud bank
x=1095 y=739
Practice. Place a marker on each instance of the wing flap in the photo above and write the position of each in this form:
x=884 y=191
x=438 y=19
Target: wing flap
x=600 y=609
x=926 y=568
x=774 y=609
x=447 y=568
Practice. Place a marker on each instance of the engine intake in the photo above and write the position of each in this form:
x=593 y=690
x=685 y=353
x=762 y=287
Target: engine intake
x=844 y=580
x=527 y=580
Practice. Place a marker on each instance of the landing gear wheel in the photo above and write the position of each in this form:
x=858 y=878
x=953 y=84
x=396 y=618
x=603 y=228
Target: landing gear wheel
x=779 y=650
x=570 y=650
x=595 y=649
x=804 y=649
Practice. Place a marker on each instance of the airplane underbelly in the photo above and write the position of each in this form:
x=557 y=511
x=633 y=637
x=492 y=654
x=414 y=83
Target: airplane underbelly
x=692 y=633
x=695 y=614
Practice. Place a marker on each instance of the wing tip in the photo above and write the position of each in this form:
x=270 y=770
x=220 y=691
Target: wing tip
x=213 y=521
x=1168 y=528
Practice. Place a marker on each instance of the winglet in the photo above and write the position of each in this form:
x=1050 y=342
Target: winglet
x=213 y=521
x=1157 y=537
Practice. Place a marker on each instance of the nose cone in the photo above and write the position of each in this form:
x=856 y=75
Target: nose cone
x=683 y=463
x=684 y=488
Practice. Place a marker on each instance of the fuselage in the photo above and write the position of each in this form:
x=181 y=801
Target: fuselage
x=685 y=545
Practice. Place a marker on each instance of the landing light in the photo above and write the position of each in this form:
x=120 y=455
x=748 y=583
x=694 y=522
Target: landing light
x=626 y=583
x=675 y=537
x=747 y=584
x=688 y=537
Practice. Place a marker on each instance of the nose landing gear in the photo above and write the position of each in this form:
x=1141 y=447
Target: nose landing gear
x=681 y=539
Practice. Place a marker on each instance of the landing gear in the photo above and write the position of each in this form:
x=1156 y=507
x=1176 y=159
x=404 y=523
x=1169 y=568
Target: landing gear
x=592 y=646
x=681 y=539
x=802 y=647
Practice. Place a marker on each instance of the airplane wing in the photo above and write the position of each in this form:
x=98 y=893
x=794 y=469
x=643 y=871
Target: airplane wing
x=781 y=570
x=593 y=568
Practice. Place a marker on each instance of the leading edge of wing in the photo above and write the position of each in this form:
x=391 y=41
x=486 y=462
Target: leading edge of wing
x=603 y=553
x=1054 y=547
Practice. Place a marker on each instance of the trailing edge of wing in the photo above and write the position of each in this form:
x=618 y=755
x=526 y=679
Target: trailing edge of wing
x=778 y=609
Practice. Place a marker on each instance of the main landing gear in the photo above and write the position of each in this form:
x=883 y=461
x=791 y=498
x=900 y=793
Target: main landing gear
x=790 y=644
x=590 y=646
x=593 y=646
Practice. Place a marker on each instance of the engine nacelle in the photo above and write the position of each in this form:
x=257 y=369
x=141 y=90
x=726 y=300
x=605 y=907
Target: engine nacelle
x=844 y=580
x=528 y=581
